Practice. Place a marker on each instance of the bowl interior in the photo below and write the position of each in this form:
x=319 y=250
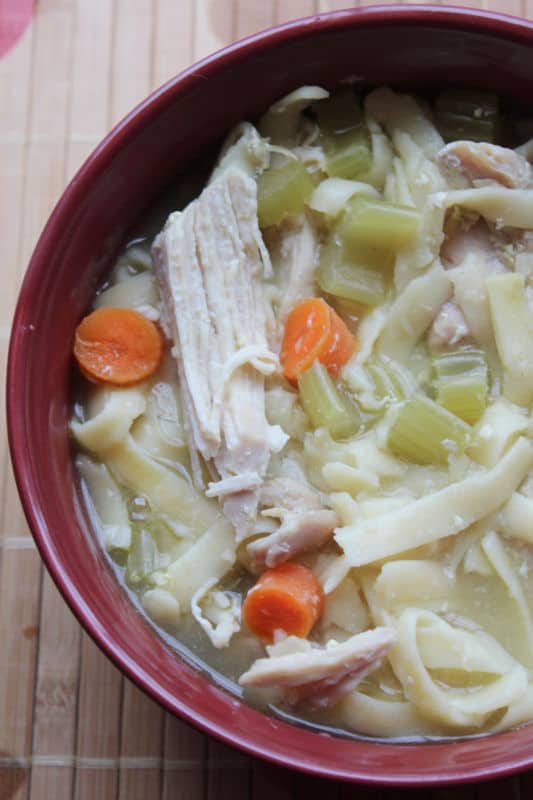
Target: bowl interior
x=156 y=143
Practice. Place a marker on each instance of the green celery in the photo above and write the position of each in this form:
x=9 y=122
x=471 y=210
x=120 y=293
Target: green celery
x=465 y=397
x=456 y=363
x=461 y=383
x=339 y=277
x=425 y=433
x=325 y=405
x=344 y=134
x=392 y=382
x=141 y=558
x=352 y=282
x=371 y=223
x=348 y=154
x=281 y=191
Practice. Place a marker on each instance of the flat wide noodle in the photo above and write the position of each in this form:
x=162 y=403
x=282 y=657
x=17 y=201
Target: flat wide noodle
x=438 y=515
x=451 y=707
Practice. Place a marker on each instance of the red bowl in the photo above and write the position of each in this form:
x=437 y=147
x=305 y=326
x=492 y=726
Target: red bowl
x=417 y=46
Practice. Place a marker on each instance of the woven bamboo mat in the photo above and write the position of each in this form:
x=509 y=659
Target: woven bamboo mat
x=70 y=725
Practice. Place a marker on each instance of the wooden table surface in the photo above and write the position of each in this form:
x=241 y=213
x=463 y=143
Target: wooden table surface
x=71 y=726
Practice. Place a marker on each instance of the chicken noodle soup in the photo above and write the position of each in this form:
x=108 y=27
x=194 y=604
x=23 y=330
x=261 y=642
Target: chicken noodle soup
x=304 y=433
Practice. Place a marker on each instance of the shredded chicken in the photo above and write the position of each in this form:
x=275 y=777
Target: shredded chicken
x=289 y=494
x=209 y=261
x=472 y=238
x=471 y=252
x=478 y=161
x=305 y=525
x=449 y=327
x=320 y=676
x=294 y=249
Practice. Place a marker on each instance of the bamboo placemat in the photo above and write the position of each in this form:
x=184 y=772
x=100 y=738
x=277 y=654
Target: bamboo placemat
x=71 y=726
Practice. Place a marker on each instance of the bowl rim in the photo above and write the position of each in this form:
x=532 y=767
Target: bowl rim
x=474 y=20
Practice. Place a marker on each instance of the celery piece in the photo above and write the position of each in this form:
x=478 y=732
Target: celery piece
x=425 y=433
x=465 y=397
x=141 y=558
x=458 y=362
x=325 y=405
x=369 y=222
x=342 y=277
x=392 y=382
x=282 y=190
x=339 y=113
x=352 y=282
x=461 y=383
x=349 y=154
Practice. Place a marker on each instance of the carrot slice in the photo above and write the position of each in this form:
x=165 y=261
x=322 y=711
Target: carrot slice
x=117 y=346
x=315 y=331
x=286 y=598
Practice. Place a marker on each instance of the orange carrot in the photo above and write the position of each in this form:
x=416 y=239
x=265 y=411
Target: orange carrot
x=315 y=331
x=117 y=346
x=286 y=598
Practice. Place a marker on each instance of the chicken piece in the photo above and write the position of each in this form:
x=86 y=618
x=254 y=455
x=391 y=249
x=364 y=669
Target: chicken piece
x=467 y=238
x=209 y=261
x=482 y=161
x=289 y=494
x=294 y=249
x=299 y=533
x=449 y=327
x=471 y=253
x=319 y=676
x=305 y=524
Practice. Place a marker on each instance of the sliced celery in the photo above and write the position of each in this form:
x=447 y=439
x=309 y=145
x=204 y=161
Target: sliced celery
x=461 y=383
x=425 y=433
x=351 y=282
x=325 y=405
x=369 y=223
x=340 y=112
x=393 y=383
x=141 y=558
x=381 y=383
x=464 y=114
x=282 y=190
x=457 y=363
x=465 y=397
x=349 y=154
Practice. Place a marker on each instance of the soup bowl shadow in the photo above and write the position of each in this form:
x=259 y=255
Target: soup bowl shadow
x=420 y=47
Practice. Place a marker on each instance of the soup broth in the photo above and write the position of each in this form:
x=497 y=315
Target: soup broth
x=303 y=427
